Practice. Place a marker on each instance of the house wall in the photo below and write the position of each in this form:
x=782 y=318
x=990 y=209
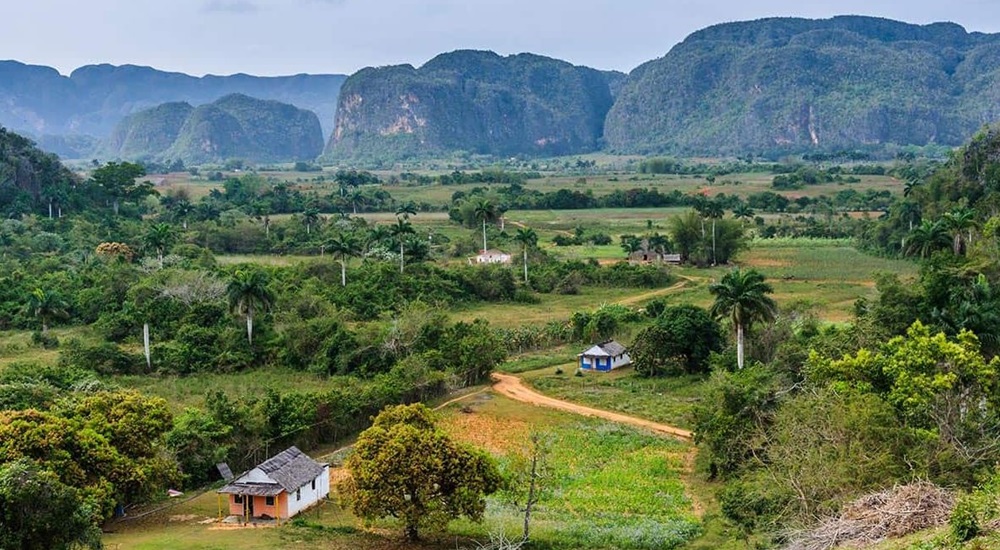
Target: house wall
x=621 y=361
x=260 y=507
x=309 y=495
x=234 y=509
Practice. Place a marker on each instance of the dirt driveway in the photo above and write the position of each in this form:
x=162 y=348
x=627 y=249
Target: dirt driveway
x=512 y=387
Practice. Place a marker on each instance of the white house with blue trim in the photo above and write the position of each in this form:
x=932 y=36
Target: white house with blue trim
x=605 y=357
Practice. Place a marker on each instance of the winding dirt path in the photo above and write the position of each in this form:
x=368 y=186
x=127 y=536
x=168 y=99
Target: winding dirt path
x=512 y=387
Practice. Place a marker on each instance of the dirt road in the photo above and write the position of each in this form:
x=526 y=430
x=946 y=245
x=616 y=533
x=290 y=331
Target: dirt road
x=512 y=387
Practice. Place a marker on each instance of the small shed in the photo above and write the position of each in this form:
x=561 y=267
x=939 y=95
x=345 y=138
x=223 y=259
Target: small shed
x=278 y=488
x=605 y=357
x=491 y=256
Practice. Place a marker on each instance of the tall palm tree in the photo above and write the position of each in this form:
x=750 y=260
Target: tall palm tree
x=400 y=230
x=926 y=238
x=46 y=306
x=528 y=239
x=743 y=212
x=249 y=295
x=715 y=211
x=957 y=221
x=310 y=217
x=342 y=249
x=485 y=211
x=743 y=296
x=406 y=210
x=159 y=237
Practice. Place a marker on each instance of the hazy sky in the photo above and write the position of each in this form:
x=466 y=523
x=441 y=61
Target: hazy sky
x=271 y=37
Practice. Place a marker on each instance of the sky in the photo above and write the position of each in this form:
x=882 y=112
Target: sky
x=280 y=37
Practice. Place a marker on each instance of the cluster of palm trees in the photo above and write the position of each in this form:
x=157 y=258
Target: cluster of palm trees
x=955 y=229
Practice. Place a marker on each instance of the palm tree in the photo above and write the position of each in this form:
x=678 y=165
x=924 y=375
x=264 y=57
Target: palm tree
x=248 y=295
x=743 y=296
x=400 y=230
x=310 y=217
x=926 y=238
x=714 y=210
x=485 y=211
x=528 y=239
x=159 y=237
x=957 y=221
x=46 y=306
x=343 y=248
x=743 y=212
x=406 y=210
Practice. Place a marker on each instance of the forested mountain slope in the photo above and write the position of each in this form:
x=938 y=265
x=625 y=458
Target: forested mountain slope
x=472 y=101
x=235 y=126
x=38 y=101
x=788 y=84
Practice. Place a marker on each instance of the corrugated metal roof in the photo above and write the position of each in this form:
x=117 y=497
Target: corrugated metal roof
x=605 y=349
x=289 y=470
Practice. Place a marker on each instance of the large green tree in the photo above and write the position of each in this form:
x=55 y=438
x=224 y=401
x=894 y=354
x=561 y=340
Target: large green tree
x=46 y=306
x=680 y=341
x=742 y=295
x=118 y=181
x=159 y=237
x=342 y=248
x=485 y=211
x=39 y=512
x=406 y=467
x=400 y=230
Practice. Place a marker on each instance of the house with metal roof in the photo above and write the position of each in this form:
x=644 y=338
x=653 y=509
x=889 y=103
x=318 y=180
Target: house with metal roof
x=278 y=488
x=604 y=357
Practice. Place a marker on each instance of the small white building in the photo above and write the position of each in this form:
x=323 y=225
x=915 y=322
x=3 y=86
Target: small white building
x=605 y=357
x=278 y=488
x=491 y=256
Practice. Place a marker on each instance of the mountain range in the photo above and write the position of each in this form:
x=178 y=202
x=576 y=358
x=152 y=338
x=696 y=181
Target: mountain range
x=70 y=115
x=771 y=86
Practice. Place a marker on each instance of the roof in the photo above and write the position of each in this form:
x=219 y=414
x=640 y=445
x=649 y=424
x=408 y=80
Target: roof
x=286 y=471
x=610 y=348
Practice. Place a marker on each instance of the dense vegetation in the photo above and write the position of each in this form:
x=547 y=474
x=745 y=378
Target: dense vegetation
x=471 y=101
x=783 y=84
x=233 y=127
x=70 y=115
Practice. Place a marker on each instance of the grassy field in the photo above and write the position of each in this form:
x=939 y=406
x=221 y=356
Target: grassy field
x=606 y=486
x=669 y=400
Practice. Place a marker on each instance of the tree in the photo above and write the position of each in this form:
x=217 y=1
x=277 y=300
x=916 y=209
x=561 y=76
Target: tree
x=310 y=216
x=400 y=230
x=248 y=295
x=528 y=239
x=743 y=212
x=630 y=245
x=742 y=295
x=46 y=306
x=957 y=221
x=37 y=511
x=159 y=237
x=406 y=210
x=342 y=249
x=926 y=238
x=117 y=180
x=680 y=341
x=486 y=212
x=714 y=210
x=406 y=467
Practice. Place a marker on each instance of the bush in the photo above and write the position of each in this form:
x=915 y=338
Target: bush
x=46 y=341
x=104 y=358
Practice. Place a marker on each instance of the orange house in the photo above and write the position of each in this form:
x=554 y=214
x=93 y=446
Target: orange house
x=282 y=486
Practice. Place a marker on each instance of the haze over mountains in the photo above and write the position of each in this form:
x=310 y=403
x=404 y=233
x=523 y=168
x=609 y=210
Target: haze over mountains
x=767 y=87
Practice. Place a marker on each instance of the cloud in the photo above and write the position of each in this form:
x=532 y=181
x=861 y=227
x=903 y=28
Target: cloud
x=231 y=6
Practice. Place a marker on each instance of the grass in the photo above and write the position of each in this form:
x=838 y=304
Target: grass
x=669 y=400
x=607 y=486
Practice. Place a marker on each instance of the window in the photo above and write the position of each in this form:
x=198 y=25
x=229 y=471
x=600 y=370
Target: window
x=237 y=499
x=269 y=501
x=298 y=494
x=314 y=485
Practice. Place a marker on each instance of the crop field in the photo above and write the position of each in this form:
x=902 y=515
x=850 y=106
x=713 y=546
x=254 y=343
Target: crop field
x=605 y=486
